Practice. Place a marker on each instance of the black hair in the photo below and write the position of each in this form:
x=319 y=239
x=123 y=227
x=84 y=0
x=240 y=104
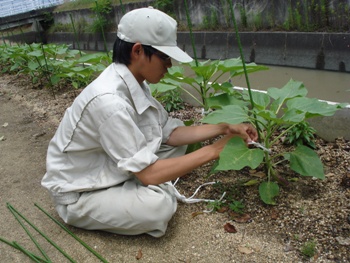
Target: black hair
x=122 y=51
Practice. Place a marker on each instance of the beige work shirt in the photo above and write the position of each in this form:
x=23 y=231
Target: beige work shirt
x=113 y=129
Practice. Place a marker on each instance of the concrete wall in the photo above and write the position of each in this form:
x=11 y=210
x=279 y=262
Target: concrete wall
x=268 y=13
x=89 y=16
x=328 y=51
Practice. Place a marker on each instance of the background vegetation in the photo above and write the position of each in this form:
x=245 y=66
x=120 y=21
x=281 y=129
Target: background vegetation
x=294 y=15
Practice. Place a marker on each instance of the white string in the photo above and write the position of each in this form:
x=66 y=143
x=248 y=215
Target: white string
x=191 y=199
x=257 y=144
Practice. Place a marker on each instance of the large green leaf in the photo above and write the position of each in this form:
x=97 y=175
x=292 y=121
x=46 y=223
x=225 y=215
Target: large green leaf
x=293 y=116
x=224 y=99
x=91 y=58
x=232 y=114
x=230 y=64
x=268 y=191
x=306 y=162
x=235 y=66
x=291 y=90
x=33 y=65
x=313 y=106
x=237 y=155
x=61 y=50
x=174 y=79
x=55 y=79
x=36 y=53
x=226 y=87
x=266 y=114
x=206 y=69
x=161 y=87
x=261 y=100
x=176 y=71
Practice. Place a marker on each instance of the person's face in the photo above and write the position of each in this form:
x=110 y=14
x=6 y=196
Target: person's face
x=147 y=68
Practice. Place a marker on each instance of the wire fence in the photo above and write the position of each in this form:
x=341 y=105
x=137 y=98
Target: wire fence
x=14 y=7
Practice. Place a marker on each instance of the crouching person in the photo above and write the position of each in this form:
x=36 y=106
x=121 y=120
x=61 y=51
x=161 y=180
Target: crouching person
x=112 y=159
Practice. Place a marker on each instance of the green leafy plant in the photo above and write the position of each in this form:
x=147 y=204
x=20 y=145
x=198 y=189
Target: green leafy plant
x=268 y=112
x=209 y=79
x=301 y=134
x=273 y=110
x=216 y=205
x=52 y=65
x=101 y=9
x=308 y=249
x=236 y=206
x=167 y=6
x=243 y=14
x=170 y=99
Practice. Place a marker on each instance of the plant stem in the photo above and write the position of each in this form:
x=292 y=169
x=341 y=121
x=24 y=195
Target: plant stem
x=72 y=234
x=189 y=23
x=75 y=33
x=29 y=234
x=102 y=30
x=23 y=250
x=121 y=4
x=42 y=234
x=47 y=71
x=16 y=246
x=282 y=133
x=36 y=58
x=243 y=63
x=192 y=96
x=3 y=39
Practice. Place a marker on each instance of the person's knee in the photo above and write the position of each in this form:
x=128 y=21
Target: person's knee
x=161 y=204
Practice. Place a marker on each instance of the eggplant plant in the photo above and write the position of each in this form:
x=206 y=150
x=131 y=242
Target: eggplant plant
x=208 y=79
x=52 y=64
x=284 y=107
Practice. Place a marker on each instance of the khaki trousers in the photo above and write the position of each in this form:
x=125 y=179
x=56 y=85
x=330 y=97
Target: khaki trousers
x=129 y=208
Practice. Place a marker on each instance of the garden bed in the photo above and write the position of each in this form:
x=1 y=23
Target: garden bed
x=311 y=217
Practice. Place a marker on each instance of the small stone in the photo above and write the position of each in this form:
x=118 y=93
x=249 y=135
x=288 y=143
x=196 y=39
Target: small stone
x=289 y=248
x=343 y=241
x=345 y=182
x=37 y=135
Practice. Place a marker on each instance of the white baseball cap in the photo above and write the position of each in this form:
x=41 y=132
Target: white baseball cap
x=154 y=28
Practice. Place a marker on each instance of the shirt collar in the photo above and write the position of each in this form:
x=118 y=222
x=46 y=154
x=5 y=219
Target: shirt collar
x=138 y=92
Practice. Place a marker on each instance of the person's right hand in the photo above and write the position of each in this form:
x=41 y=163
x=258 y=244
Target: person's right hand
x=219 y=145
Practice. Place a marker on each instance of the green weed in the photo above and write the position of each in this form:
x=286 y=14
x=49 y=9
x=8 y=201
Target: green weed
x=308 y=249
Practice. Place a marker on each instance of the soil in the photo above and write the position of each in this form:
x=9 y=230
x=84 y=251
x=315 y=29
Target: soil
x=308 y=211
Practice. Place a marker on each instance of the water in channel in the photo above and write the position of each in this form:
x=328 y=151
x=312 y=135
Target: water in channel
x=321 y=84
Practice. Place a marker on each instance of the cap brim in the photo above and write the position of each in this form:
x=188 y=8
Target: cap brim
x=175 y=53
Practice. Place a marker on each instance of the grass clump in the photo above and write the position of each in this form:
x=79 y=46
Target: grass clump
x=308 y=249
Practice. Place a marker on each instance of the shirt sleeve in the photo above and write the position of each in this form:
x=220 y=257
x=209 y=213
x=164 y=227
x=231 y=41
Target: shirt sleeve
x=124 y=142
x=169 y=126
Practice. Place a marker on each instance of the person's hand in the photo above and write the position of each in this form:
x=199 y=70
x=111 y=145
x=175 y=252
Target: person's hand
x=219 y=145
x=244 y=130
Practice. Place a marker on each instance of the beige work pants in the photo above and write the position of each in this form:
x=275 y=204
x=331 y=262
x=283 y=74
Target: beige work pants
x=129 y=208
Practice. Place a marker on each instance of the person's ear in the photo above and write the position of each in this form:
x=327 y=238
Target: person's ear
x=136 y=50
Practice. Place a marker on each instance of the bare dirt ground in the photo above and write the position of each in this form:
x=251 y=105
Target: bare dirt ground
x=306 y=210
